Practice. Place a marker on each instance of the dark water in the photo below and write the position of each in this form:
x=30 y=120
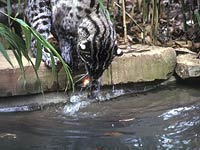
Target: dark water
x=168 y=118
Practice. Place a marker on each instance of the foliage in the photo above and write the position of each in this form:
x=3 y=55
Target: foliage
x=159 y=21
x=198 y=17
x=102 y=7
x=20 y=47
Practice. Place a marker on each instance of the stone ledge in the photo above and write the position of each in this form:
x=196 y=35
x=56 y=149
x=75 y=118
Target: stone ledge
x=141 y=64
x=188 y=66
x=12 y=82
x=138 y=64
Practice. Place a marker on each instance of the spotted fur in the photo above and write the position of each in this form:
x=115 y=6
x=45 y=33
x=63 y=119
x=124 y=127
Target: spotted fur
x=79 y=25
x=97 y=55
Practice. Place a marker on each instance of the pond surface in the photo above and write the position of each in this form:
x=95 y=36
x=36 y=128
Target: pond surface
x=168 y=118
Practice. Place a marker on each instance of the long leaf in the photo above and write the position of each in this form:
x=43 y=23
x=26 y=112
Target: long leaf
x=27 y=35
x=9 y=9
x=52 y=51
x=104 y=9
x=40 y=39
x=5 y=54
x=20 y=63
x=39 y=55
x=198 y=17
x=16 y=43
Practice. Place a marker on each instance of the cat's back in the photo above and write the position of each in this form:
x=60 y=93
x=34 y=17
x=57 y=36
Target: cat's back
x=67 y=14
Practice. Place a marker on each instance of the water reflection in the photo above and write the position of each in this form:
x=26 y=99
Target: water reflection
x=181 y=133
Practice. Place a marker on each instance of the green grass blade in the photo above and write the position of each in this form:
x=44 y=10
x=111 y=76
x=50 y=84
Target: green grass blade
x=21 y=22
x=20 y=63
x=21 y=47
x=9 y=9
x=16 y=43
x=198 y=17
x=39 y=55
x=10 y=36
x=54 y=51
x=5 y=54
x=27 y=36
x=103 y=8
x=53 y=67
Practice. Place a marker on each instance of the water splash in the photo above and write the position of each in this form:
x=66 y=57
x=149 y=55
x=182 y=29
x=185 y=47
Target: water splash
x=80 y=101
x=77 y=102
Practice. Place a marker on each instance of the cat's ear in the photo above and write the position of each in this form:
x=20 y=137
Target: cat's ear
x=83 y=45
x=117 y=51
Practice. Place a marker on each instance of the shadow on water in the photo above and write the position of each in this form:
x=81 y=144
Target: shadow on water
x=167 y=118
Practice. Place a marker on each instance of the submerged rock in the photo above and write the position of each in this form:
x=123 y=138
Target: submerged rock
x=188 y=66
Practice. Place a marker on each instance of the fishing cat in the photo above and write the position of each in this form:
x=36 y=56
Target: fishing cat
x=79 y=25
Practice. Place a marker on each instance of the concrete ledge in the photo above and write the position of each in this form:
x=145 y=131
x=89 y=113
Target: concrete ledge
x=138 y=64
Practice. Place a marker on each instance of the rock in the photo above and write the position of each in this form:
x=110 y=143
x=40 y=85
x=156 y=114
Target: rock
x=188 y=66
x=184 y=51
x=32 y=102
x=12 y=82
x=122 y=46
x=138 y=64
x=148 y=63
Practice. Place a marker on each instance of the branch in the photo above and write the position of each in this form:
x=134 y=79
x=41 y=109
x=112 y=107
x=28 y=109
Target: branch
x=130 y=17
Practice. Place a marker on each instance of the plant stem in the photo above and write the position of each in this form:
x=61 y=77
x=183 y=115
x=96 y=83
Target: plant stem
x=130 y=17
x=124 y=20
x=184 y=16
x=9 y=10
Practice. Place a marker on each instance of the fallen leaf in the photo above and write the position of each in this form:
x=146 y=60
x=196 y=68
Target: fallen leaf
x=126 y=120
x=113 y=134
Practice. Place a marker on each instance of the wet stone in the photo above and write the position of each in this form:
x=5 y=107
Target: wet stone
x=188 y=66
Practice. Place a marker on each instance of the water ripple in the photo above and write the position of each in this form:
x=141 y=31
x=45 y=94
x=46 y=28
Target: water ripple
x=175 y=112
